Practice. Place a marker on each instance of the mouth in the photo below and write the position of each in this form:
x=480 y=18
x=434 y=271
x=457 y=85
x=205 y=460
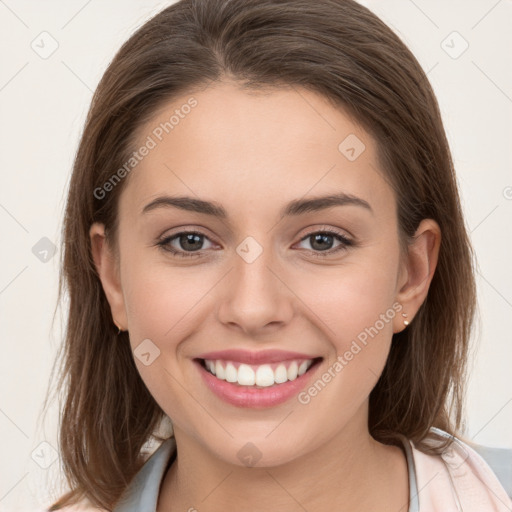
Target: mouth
x=256 y=386
x=258 y=376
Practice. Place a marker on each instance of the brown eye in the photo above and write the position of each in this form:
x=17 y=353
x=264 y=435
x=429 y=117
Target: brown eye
x=190 y=241
x=325 y=242
x=186 y=243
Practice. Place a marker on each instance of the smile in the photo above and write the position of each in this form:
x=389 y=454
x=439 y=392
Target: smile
x=256 y=385
x=264 y=375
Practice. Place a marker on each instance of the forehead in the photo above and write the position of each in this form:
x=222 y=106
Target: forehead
x=254 y=148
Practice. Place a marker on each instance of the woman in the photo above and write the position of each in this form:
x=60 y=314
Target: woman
x=264 y=243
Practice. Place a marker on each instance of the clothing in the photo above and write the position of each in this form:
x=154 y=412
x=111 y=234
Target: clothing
x=459 y=480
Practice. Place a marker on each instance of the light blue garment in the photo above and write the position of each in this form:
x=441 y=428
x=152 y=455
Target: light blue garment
x=142 y=494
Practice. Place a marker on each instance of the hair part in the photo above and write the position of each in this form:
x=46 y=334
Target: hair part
x=344 y=52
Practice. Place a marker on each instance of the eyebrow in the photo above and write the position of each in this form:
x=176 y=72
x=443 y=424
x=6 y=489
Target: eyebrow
x=293 y=208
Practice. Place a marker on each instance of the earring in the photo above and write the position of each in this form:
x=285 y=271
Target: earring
x=119 y=330
x=406 y=322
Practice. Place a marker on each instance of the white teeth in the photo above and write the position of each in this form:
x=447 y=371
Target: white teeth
x=246 y=375
x=292 y=371
x=303 y=367
x=211 y=366
x=219 y=371
x=231 y=373
x=280 y=374
x=262 y=375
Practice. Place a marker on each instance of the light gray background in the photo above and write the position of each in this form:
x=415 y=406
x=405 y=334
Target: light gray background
x=43 y=103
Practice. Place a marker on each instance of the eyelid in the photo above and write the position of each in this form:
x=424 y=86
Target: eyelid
x=327 y=229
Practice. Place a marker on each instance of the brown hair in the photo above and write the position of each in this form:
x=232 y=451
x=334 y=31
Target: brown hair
x=341 y=50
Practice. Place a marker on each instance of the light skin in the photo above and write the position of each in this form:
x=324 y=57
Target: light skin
x=253 y=153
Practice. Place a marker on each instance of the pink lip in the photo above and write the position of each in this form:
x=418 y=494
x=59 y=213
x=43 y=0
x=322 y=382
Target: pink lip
x=259 y=357
x=255 y=397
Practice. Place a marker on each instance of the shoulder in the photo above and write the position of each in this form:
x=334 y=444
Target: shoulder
x=155 y=456
x=458 y=479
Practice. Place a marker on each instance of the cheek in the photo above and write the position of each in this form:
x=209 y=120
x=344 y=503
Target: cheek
x=160 y=304
x=159 y=299
x=357 y=320
x=353 y=307
x=349 y=300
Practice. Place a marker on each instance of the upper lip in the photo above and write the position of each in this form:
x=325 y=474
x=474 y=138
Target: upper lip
x=259 y=357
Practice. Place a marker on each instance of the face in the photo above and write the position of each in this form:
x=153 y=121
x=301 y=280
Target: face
x=275 y=282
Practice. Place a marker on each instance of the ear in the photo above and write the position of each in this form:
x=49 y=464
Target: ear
x=107 y=267
x=417 y=271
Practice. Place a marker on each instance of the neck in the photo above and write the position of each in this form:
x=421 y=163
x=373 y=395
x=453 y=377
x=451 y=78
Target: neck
x=350 y=472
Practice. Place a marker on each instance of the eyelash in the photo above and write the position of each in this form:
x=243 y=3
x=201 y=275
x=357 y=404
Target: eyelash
x=164 y=244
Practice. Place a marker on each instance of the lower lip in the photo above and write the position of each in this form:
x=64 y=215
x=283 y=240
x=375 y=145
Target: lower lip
x=253 y=397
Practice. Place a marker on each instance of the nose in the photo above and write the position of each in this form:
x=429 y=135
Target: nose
x=254 y=298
